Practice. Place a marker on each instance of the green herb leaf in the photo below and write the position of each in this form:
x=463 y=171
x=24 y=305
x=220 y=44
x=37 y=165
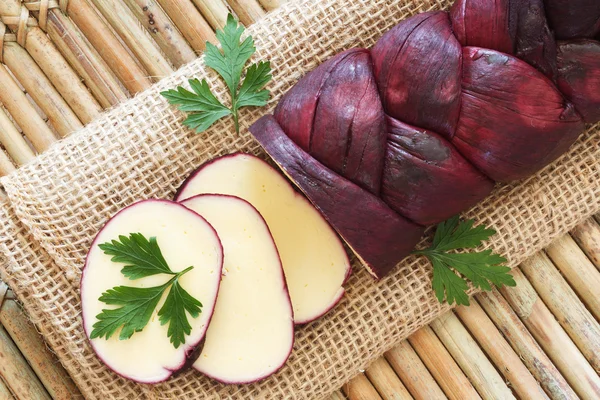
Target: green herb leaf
x=448 y=282
x=256 y=78
x=138 y=304
x=142 y=257
x=201 y=99
x=229 y=61
x=451 y=235
x=482 y=268
x=174 y=310
x=204 y=107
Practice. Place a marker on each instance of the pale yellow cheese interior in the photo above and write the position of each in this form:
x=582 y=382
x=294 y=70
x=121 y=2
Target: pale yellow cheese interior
x=251 y=333
x=185 y=240
x=314 y=260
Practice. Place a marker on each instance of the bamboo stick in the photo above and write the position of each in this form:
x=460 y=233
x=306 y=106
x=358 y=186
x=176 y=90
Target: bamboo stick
x=247 y=11
x=11 y=139
x=446 y=371
x=359 y=388
x=41 y=90
x=578 y=270
x=55 y=379
x=503 y=356
x=470 y=357
x=163 y=31
x=125 y=67
x=190 y=23
x=337 y=395
x=572 y=315
x=120 y=17
x=24 y=113
x=5 y=393
x=16 y=373
x=386 y=382
x=270 y=5
x=66 y=81
x=51 y=62
x=215 y=12
x=552 y=338
x=84 y=59
x=587 y=237
x=6 y=165
x=413 y=373
x=525 y=345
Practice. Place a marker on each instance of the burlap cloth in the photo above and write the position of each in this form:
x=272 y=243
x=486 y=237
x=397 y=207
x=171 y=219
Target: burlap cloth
x=140 y=149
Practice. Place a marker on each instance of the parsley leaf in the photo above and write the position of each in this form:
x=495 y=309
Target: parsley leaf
x=229 y=61
x=482 y=268
x=173 y=312
x=144 y=258
x=138 y=304
x=257 y=77
x=445 y=280
x=451 y=235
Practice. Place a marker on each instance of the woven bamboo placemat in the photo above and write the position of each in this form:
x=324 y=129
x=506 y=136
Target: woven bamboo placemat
x=63 y=62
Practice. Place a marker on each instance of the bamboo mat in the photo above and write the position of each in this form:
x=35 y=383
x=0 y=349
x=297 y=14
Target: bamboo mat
x=65 y=61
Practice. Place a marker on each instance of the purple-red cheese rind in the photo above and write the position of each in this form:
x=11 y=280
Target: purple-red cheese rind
x=425 y=178
x=570 y=19
x=513 y=120
x=417 y=66
x=579 y=76
x=334 y=113
x=516 y=27
x=483 y=23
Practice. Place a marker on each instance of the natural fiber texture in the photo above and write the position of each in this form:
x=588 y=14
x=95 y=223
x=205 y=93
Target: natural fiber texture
x=140 y=150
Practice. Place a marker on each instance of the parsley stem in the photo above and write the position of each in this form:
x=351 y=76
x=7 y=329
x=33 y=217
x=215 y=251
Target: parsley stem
x=236 y=122
x=188 y=269
x=178 y=275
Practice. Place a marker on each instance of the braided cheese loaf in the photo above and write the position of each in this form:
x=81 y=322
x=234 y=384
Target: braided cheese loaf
x=417 y=129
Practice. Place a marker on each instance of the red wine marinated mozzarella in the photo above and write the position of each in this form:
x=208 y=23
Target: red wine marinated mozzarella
x=313 y=257
x=185 y=240
x=252 y=330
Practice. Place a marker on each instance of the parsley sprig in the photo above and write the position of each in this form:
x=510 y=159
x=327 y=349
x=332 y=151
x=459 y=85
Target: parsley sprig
x=481 y=268
x=142 y=258
x=203 y=107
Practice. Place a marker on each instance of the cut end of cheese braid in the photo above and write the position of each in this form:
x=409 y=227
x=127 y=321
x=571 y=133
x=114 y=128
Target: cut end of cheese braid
x=419 y=128
x=376 y=234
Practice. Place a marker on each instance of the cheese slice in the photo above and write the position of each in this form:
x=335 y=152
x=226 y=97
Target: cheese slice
x=252 y=330
x=185 y=239
x=314 y=260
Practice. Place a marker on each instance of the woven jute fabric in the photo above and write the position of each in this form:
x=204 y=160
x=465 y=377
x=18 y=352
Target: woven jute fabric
x=139 y=150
